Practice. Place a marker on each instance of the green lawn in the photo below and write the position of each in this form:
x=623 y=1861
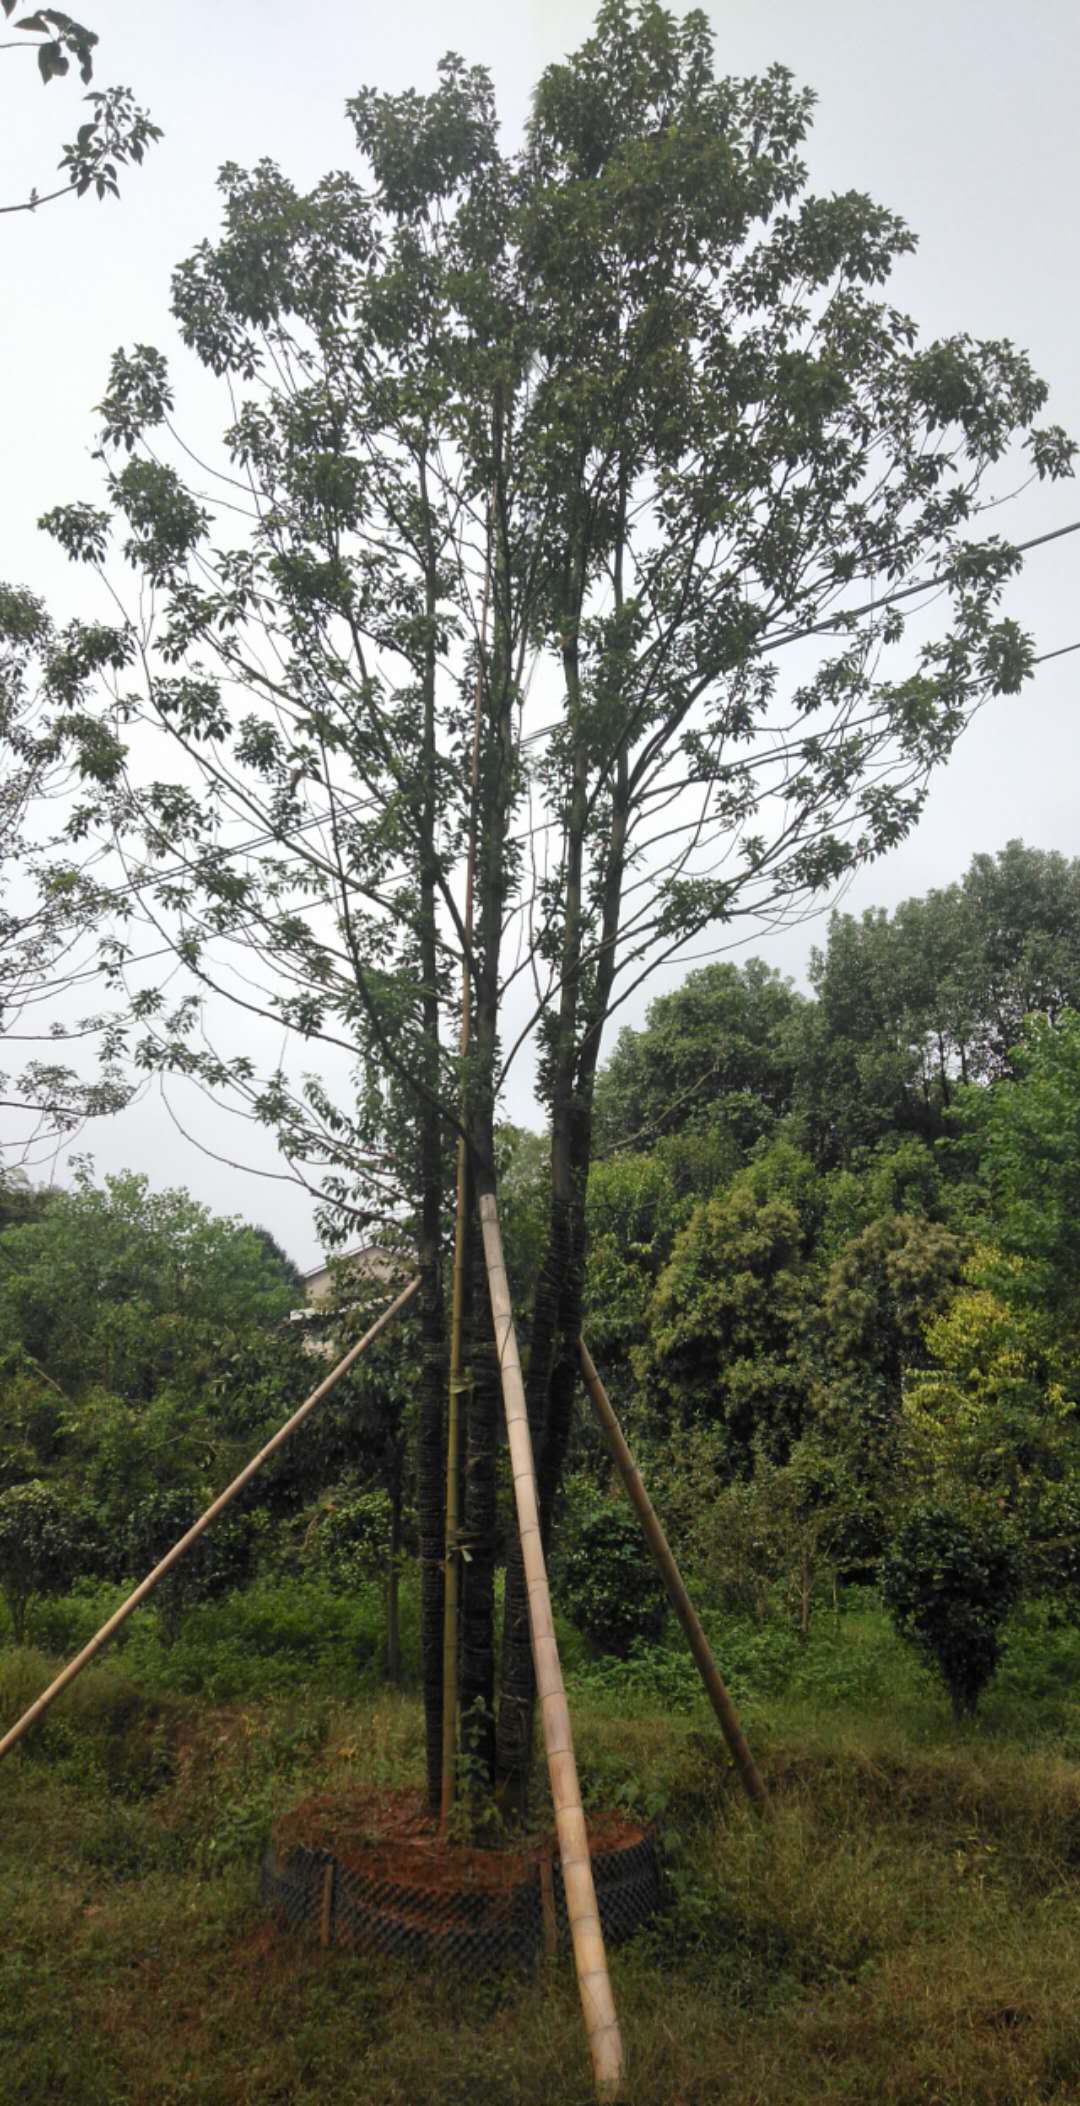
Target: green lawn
x=906 y=1928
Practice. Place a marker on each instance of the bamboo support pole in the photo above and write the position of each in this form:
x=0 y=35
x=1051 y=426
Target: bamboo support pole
x=669 y=1572
x=590 y=1958
x=172 y=1557
x=452 y=1565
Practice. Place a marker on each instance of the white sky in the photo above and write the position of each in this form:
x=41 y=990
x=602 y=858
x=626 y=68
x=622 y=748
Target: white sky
x=961 y=117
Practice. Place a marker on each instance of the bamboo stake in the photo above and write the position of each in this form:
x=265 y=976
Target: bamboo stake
x=172 y=1557
x=452 y=1562
x=590 y=1959
x=326 y=1911
x=669 y=1572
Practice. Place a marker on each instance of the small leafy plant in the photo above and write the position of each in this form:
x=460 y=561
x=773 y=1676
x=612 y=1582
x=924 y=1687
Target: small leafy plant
x=949 y=1584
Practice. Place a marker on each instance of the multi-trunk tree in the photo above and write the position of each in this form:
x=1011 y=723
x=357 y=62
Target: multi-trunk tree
x=561 y=498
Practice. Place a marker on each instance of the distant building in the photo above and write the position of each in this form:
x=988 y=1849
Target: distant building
x=336 y=1277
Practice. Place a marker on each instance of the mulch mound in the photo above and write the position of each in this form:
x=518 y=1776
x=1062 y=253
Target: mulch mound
x=388 y=1834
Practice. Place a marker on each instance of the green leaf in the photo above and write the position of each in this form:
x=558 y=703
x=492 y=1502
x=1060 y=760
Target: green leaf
x=52 y=63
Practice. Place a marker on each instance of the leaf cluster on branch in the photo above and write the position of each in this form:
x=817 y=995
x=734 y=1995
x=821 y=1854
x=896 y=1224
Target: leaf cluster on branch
x=117 y=131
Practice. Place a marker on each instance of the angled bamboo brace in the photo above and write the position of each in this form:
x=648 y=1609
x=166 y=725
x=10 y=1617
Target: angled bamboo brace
x=669 y=1572
x=590 y=1958
x=172 y=1557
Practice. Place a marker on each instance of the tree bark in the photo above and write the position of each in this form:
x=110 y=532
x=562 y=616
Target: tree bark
x=553 y=1361
x=393 y=1619
x=517 y=1685
x=483 y=1403
x=430 y=1460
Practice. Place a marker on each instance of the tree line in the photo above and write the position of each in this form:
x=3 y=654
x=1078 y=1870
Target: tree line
x=543 y=605
x=848 y=1348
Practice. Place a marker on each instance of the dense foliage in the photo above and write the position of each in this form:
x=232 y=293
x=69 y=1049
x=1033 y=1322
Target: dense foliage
x=827 y=1366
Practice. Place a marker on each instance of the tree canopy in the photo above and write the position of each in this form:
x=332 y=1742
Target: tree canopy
x=571 y=508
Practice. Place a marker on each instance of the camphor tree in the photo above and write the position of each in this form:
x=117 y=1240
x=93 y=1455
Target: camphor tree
x=117 y=130
x=561 y=459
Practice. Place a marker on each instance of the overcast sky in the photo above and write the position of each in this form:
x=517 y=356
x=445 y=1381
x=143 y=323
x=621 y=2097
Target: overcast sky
x=961 y=117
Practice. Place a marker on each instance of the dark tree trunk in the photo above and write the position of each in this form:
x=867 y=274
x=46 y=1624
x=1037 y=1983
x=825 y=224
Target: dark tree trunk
x=943 y=1072
x=430 y=1460
x=517 y=1686
x=393 y=1619
x=554 y=1376
x=484 y=1404
x=430 y=1473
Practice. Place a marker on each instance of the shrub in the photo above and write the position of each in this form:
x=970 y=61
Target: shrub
x=350 y=1536
x=39 y=1547
x=609 y=1587
x=217 y=1562
x=949 y=1584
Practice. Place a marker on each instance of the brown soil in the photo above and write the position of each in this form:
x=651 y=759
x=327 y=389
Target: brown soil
x=389 y=1834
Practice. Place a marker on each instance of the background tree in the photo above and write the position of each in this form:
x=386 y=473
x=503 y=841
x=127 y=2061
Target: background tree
x=935 y=996
x=949 y=1587
x=1030 y=1149
x=39 y=1548
x=141 y=1358
x=718 y=1052
x=128 y=1287
x=731 y=1327
x=605 y=1577
x=218 y=1562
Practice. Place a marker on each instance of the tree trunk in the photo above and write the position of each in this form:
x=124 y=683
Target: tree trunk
x=430 y=1460
x=805 y=1585
x=393 y=1619
x=554 y=1367
x=517 y=1686
x=429 y=1500
x=943 y=1072
x=495 y=790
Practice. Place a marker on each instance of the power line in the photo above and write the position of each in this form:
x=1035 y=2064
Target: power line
x=906 y=592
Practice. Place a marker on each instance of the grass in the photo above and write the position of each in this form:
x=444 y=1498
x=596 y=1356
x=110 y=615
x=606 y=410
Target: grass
x=906 y=1928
